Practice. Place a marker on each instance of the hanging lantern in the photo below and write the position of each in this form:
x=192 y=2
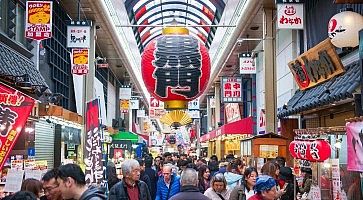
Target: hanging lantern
x=293 y=148
x=175 y=67
x=344 y=29
x=319 y=150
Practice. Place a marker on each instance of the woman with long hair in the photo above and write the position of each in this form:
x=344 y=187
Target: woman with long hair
x=272 y=169
x=246 y=188
x=34 y=186
x=204 y=178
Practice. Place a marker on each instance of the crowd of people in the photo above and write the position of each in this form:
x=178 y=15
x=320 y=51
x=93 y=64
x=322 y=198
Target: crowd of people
x=174 y=177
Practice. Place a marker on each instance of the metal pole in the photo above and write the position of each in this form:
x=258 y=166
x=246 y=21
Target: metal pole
x=197 y=127
x=38 y=55
x=173 y=25
x=79 y=10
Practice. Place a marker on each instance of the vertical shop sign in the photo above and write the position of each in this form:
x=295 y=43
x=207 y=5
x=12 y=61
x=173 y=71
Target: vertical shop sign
x=335 y=175
x=79 y=61
x=93 y=152
x=232 y=112
x=231 y=89
x=246 y=65
x=315 y=193
x=355 y=146
x=78 y=35
x=290 y=15
x=38 y=20
x=15 y=109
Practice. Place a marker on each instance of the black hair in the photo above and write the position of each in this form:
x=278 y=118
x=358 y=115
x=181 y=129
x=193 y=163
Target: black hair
x=50 y=175
x=214 y=157
x=247 y=173
x=183 y=154
x=23 y=195
x=148 y=162
x=192 y=166
x=183 y=163
x=280 y=161
x=166 y=154
x=141 y=162
x=73 y=171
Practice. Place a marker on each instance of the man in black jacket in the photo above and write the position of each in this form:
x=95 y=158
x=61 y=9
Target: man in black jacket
x=130 y=187
x=189 y=187
x=152 y=175
x=72 y=184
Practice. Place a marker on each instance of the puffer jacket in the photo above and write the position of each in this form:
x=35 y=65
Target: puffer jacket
x=162 y=189
x=93 y=193
x=232 y=179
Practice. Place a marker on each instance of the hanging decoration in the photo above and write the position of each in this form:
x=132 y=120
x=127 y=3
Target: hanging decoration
x=344 y=28
x=175 y=67
x=311 y=150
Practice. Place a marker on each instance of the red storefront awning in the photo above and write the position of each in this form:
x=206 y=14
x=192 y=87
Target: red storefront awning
x=243 y=126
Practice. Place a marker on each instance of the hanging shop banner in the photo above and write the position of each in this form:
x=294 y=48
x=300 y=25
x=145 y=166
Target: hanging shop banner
x=120 y=144
x=355 y=146
x=125 y=92
x=124 y=104
x=232 y=112
x=212 y=102
x=79 y=58
x=78 y=34
x=15 y=108
x=311 y=150
x=231 y=89
x=156 y=113
x=93 y=152
x=335 y=175
x=194 y=114
x=246 y=65
x=134 y=104
x=38 y=20
x=193 y=105
x=317 y=65
x=290 y=16
x=140 y=113
x=154 y=103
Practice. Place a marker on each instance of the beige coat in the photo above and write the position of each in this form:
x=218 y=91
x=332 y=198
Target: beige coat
x=210 y=193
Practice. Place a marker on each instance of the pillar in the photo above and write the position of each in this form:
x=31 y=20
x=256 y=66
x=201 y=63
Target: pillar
x=269 y=64
x=217 y=96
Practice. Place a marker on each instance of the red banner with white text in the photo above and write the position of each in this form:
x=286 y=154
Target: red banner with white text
x=15 y=108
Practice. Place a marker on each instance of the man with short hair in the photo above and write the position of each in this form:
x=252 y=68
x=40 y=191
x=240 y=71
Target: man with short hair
x=130 y=187
x=51 y=186
x=152 y=175
x=168 y=184
x=72 y=184
x=189 y=187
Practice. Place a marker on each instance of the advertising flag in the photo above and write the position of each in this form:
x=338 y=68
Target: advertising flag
x=15 y=108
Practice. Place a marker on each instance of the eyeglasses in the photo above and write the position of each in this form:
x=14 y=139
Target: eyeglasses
x=49 y=189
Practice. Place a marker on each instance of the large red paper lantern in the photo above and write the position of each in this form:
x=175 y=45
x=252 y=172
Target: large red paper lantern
x=175 y=67
x=311 y=150
x=319 y=150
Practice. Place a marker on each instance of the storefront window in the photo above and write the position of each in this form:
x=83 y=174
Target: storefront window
x=20 y=24
x=3 y=14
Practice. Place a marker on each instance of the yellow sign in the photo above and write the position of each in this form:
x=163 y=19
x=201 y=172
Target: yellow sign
x=124 y=104
x=232 y=145
x=269 y=151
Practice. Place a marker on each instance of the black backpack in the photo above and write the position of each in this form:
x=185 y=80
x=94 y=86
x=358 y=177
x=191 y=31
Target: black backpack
x=241 y=191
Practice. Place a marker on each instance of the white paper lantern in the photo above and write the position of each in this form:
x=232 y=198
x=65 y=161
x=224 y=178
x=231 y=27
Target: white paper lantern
x=344 y=29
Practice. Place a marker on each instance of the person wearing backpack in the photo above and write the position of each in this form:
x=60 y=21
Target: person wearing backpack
x=244 y=190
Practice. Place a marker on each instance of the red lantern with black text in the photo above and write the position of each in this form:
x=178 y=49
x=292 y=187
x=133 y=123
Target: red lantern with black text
x=292 y=147
x=175 y=67
x=319 y=150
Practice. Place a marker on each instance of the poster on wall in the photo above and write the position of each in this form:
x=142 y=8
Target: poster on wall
x=79 y=61
x=355 y=146
x=38 y=22
x=232 y=112
x=93 y=152
x=269 y=151
x=15 y=108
